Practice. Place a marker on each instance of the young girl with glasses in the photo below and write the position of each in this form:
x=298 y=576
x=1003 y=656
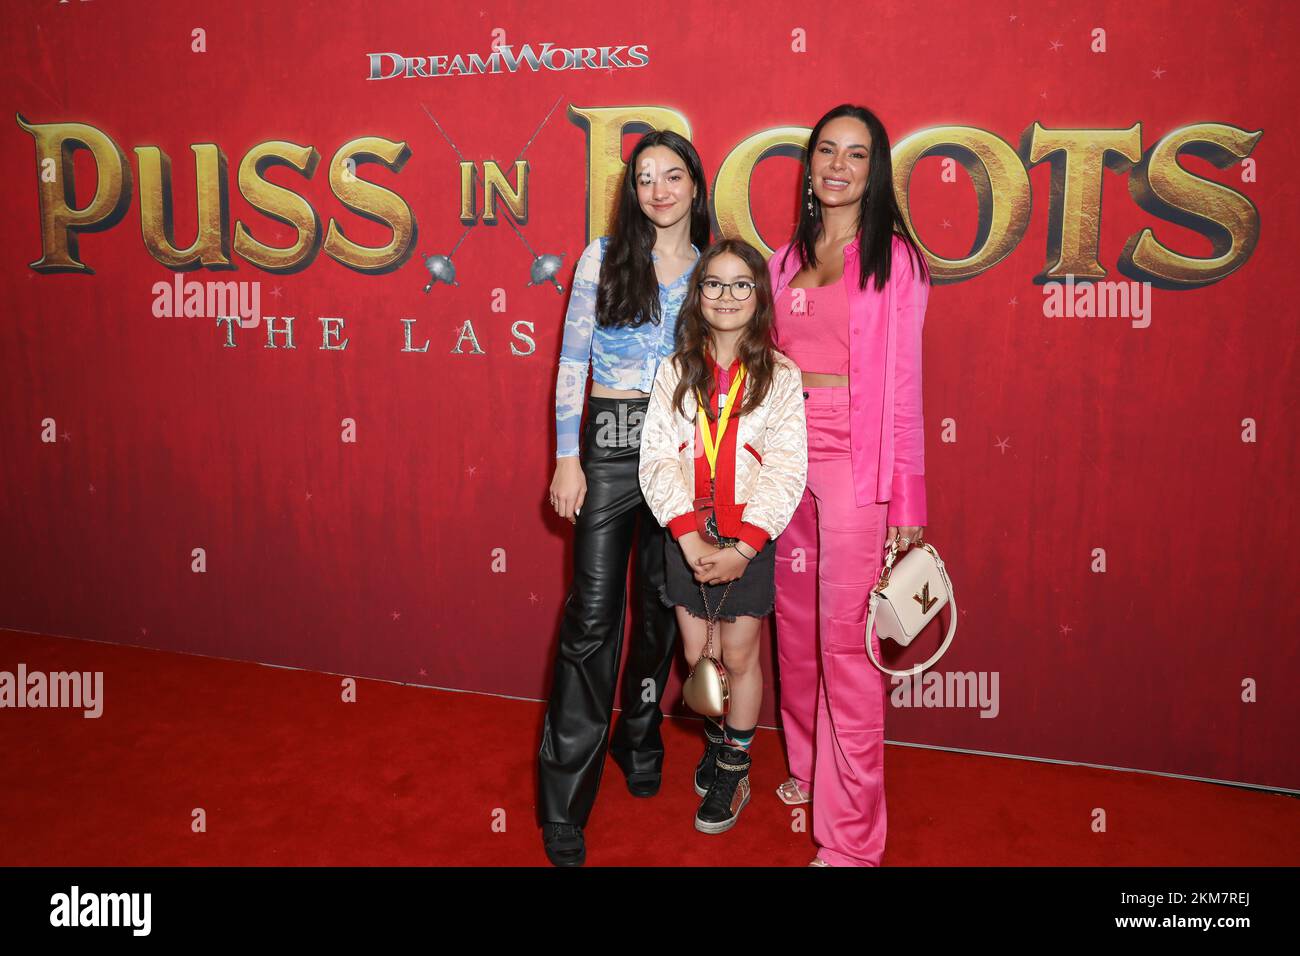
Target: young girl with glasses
x=723 y=463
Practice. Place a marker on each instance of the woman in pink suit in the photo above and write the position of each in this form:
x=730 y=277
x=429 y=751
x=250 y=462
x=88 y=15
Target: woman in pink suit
x=850 y=291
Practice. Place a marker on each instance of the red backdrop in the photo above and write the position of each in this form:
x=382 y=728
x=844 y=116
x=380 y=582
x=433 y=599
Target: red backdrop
x=1047 y=437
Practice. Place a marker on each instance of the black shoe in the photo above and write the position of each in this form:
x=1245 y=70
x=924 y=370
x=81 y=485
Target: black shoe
x=707 y=767
x=644 y=783
x=721 y=806
x=564 y=844
x=640 y=783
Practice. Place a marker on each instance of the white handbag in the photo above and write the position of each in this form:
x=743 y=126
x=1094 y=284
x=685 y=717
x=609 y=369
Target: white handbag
x=908 y=596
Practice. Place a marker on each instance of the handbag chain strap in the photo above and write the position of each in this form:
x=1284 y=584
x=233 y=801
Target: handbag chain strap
x=711 y=617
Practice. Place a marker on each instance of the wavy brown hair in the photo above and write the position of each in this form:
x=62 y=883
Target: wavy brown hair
x=628 y=291
x=755 y=347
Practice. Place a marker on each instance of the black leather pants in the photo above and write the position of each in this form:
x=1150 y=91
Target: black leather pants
x=577 y=723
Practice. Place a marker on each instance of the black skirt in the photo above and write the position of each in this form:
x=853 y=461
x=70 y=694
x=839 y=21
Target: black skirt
x=753 y=595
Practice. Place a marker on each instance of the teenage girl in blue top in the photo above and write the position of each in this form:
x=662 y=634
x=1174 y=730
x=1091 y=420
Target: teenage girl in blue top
x=622 y=321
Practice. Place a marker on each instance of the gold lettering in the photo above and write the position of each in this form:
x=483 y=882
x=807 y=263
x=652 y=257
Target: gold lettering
x=278 y=203
x=1001 y=191
x=1074 y=207
x=1224 y=216
x=211 y=245
x=372 y=202
x=605 y=128
x=61 y=222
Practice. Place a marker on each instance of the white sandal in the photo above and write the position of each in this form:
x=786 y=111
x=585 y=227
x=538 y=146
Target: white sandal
x=818 y=861
x=791 y=795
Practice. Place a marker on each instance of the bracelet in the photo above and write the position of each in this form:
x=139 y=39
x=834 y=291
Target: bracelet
x=744 y=555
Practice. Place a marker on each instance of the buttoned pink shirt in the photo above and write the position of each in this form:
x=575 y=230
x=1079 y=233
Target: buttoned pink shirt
x=886 y=437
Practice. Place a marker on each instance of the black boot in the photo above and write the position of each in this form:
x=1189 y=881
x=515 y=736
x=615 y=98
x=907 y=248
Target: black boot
x=640 y=783
x=721 y=806
x=643 y=783
x=707 y=768
x=564 y=844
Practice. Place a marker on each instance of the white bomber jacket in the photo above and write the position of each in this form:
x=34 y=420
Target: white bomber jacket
x=771 y=458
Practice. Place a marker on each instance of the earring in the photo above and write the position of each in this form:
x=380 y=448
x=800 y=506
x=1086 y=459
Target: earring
x=810 y=202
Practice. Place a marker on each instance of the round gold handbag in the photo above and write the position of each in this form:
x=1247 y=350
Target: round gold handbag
x=707 y=689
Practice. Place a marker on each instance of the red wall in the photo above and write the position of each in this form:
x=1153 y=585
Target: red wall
x=375 y=558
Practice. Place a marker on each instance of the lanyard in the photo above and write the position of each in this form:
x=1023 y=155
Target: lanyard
x=710 y=447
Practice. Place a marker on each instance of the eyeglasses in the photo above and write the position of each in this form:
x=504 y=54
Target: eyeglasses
x=740 y=290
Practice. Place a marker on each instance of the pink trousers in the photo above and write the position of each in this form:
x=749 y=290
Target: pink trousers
x=832 y=699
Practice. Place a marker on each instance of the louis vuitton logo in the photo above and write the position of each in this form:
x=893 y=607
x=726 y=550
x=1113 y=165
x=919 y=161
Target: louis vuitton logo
x=923 y=598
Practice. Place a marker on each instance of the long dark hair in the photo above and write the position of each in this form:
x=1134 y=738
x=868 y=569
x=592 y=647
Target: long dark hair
x=879 y=218
x=628 y=292
x=755 y=347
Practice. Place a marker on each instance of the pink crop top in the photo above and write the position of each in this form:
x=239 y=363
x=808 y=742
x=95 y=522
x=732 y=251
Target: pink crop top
x=816 y=339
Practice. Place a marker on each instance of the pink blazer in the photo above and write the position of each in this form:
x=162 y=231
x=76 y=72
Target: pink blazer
x=886 y=438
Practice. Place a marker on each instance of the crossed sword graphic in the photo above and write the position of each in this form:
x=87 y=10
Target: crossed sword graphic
x=545 y=266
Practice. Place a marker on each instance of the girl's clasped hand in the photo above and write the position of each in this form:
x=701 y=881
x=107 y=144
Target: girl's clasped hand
x=718 y=565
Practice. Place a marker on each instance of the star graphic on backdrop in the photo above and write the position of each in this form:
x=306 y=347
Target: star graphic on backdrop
x=1043 y=94
x=1056 y=45
x=1013 y=17
x=144 y=630
x=276 y=292
x=1002 y=444
x=396 y=615
x=423 y=672
x=946 y=224
x=67 y=436
x=1066 y=629
x=308 y=498
x=92 y=489
x=1157 y=73
x=470 y=470
x=533 y=598
x=1013 y=301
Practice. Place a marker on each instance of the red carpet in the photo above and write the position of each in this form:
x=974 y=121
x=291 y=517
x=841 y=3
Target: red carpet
x=289 y=774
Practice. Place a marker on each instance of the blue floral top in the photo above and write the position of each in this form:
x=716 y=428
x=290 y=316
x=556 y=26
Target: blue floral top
x=622 y=358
